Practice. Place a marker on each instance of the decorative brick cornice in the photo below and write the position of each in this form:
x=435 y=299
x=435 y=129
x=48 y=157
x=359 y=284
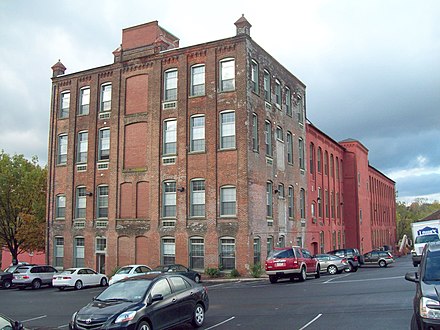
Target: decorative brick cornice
x=201 y=53
x=105 y=74
x=137 y=67
x=65 y=83
x=85 y=78
x=170 y=60
x=225 y=48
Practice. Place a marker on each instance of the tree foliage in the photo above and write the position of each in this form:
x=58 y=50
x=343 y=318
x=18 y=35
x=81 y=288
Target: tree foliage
x=22 y=204
x=407 y=214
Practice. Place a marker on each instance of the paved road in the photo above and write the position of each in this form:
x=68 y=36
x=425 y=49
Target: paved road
x=372 y=298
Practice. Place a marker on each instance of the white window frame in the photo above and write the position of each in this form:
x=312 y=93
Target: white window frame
x=255 y=140
x=228 y=201
x=227 y=129
x=79 y=251
x=254 y=76
x=278 y=93
x=62 y=149
x=58 y=253
x=289 y=138
x=170 y=137
x=197 y=80
x=226 y=252
x=170 y=85
x=267 y=81
x=60 y=208
x=291 y=202
x=301 y=154
x=106 y=97
x=197 y=252
x=82 y=147
x=269 y=199
x=80 y=202
x=197 y=198
x=288 y=99
x=104 y=144
x=169 y=198
x=227 y=74
x=102 y=194
x=84 y=101
x=197 y=134
x=168 y=250
x=268 y=138
x=64 y=104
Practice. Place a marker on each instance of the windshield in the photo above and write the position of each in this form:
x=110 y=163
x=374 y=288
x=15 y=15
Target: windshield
x=67 y=271
x=126 y=291
x=427 y=238
x=124 y=270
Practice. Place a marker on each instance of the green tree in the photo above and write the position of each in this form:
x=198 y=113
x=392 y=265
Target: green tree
x=22 y=204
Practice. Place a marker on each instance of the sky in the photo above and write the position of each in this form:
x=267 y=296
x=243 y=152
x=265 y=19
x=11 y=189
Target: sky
x=371 y=67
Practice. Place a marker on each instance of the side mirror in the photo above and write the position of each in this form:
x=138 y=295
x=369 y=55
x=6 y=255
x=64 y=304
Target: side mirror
x=157 y=297
x=412 y=277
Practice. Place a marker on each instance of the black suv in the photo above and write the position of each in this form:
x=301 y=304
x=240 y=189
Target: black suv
x=426 y=302
x=352 y=255
x=7 y=276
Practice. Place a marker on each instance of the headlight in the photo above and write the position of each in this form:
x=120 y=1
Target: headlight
x=126 y=316
x=429 y=309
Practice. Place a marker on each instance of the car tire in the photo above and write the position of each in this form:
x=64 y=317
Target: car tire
x=414 y=325
x=7 y=284
x=103 y=281
x=318 y=272
x=273 y=279
x=197 y=279
x=382 y=263
x=415 y=264
x=78 y=285
x=354 y=269
x=144 y=325
x=36 y=284
x=350 y=268
x=302 y=274
x=198 y=316
x=332 y=270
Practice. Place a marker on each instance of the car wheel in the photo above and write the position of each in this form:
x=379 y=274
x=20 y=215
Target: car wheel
x=415 y=264
x=354 y=269
x=78 y=285
x=7 y=284
x=382 y=263
x=36 y=284
x=273 y=279
x=198 y=316
x=144 y=325
x=302 y=274
x=103 y=281
x=197 y=279
x=318 y=272
x=332 y=270
x=350 y=268
x=414 y=324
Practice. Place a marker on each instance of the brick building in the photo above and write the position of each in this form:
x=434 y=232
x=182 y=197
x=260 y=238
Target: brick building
x=193 y=155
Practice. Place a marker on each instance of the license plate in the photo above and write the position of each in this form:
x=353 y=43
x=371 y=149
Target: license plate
x=280 y=264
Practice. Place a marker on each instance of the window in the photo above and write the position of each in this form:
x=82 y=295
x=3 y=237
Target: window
x=257 y=250
x=291 y=202
x=227 y=130
x=106 y=98
x=332 y=165
x=337 y=168
x=102 y=202
x=289 y=148
x=254 y=76
x=60 y=212
x=81 y=152
x=320 y=202
x=168 y=251
x=267 y=86
x=197 y=208
x=319 y=160
x=301 y=111
x=302 y=203
x=197 y=133
x=169 y=199
x=269 y=244
x=288 y=97
x=326 y=163
x=312 y=158
x=79 y=252
x=280 y=190
x=327 y=199
x=269 y=200
x=227 y=72
x=268 y=138
x=227 y=253
x=301 y=154
x=198 y=80
x=255 y=132
x=280 y=135
x=62 y=149
x=101 y=244
x=64 y=105
x=321 y=241
x=170 y=88
x=228 y=201
x=84 y=101
x=170 y=137
x=80 y=209
x=332 y=204
x=104 y=144
x=278 y=93
x=196 y=253
x=59 y=252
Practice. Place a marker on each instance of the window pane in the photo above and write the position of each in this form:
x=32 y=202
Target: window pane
x=228 y=75
x=106 y=97
x=198 y=80
x=228 y=130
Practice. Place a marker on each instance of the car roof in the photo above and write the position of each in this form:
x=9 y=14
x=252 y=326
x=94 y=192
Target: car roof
x=148 y=276
x=135 y=265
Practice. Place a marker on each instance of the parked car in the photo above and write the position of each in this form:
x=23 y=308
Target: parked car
x=291 y=262
x=178 y=269
x=381 y=258
x=7 y=276
x=352 y=255
x=33 y=276
x=128 y=271
x=78 y=278
x=332 y=264
x=144 y=302
x=426 y=302
x=7 y=323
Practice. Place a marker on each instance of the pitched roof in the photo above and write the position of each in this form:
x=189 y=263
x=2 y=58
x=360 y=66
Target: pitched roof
x=433 y=216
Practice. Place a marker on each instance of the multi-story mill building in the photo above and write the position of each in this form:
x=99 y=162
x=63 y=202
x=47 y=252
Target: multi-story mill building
x=193 y=155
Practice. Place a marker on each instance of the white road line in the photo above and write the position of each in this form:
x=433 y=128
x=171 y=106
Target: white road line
x=63 y=326
x=218 y=324
x=34 y=318
x=317 y=317
x=365 y=280
x=334 y=278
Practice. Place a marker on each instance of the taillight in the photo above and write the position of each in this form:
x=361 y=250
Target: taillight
x=67 y=278
x=355 y=258
x=344 y=260
x=25 y=277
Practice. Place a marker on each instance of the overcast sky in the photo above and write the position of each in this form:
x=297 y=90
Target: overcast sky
x=371 y=67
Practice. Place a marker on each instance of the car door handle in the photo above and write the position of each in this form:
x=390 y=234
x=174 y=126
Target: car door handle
x=174 y=300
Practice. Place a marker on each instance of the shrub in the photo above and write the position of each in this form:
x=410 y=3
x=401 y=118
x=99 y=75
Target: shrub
x=234 y=273
x=256 y=270
x=212 y=272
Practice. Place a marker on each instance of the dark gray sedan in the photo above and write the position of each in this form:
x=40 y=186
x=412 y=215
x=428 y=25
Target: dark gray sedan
x=332 y=264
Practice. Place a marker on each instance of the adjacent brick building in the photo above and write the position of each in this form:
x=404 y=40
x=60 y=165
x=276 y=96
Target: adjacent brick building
x=193 y=155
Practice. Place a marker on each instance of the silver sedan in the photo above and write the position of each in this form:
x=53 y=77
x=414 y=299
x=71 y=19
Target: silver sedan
x=332 y=264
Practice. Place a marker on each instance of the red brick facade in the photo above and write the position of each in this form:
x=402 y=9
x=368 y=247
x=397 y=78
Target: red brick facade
x=192 y=155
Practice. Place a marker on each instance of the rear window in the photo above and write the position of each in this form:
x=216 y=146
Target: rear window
x=278 y=254
x=432 y=267
x=124 y=270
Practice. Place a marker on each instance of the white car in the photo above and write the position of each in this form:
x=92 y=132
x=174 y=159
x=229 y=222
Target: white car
x=78 y=278
x=129 y=271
